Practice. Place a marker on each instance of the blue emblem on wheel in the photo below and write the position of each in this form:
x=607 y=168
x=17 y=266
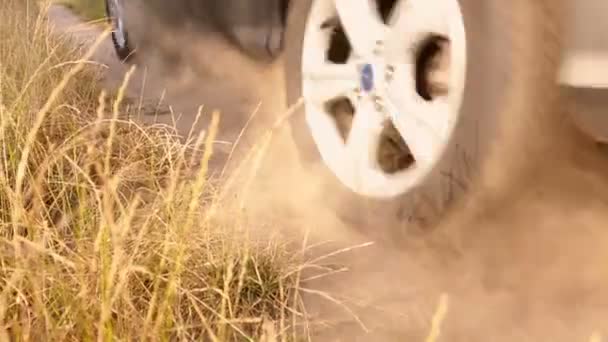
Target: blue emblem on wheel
x=367 y=78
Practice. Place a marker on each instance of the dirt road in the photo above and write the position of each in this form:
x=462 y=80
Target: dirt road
x=175 y=76
x=201 y=69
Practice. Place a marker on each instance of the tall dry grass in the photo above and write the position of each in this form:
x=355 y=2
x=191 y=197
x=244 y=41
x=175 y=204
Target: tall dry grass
x=104 y=227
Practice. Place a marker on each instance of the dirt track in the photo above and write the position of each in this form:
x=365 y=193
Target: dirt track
x=179 y=75
x=220 y=77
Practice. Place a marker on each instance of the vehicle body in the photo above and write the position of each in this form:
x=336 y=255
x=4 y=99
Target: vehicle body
x=254 y=26
x=412 y=92
x=258 y=27
x=586 y=57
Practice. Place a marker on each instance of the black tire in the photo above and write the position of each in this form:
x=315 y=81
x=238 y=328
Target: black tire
x=499 y=34
x=122 y=44
x=255 y=27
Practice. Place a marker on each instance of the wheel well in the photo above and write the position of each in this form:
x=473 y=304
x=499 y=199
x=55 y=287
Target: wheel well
x=284 y=11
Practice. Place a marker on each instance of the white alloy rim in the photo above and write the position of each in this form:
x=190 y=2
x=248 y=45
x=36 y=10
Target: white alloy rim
x=379 y=80
x=116 y=15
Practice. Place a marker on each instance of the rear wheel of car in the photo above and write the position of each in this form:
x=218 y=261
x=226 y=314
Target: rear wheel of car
x=115 y=11
x=399 y=97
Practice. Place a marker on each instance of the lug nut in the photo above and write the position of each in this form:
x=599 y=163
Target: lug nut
x=389 y=72
x=378 y=103
x=378 y=48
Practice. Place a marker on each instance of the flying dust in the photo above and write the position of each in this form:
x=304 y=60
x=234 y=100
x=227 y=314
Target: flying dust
x=522 y=257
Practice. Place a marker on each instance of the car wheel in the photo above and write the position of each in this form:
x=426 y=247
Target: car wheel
x=120 y=37
x=399 y=96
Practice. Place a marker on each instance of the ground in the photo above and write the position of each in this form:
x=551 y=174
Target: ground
x=219 y=77
x=207 y=71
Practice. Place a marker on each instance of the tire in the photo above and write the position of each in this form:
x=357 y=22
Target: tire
x=491 y=43
x=120 y=36
x=255 y=27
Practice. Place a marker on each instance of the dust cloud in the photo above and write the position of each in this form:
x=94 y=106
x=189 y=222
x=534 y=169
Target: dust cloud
x=521 y=258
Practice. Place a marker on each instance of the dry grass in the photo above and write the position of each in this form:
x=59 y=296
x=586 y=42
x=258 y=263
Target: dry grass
x=103 y=229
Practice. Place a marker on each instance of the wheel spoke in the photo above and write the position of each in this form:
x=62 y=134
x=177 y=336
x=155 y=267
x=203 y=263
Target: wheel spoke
x=319 y=92
x=327 y=81
x=364 y=137
x=412 y=21
x=332 y=71
x=362 y=25
x=317 y=39
x=355 y=163
x=422 y=124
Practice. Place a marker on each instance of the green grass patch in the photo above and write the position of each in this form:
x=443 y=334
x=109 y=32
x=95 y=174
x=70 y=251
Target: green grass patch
x=90 y=10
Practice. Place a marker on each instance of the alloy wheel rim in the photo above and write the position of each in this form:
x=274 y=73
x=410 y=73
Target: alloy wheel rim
x=380 y=79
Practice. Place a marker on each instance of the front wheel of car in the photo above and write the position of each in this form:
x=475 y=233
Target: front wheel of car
x=400 y=96
x=115 y=11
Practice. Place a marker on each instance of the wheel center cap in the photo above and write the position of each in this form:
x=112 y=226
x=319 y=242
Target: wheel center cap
x=374 y=77
x=367 y=78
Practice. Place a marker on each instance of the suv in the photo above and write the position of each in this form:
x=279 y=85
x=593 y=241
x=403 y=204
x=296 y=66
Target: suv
x=395 y=92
